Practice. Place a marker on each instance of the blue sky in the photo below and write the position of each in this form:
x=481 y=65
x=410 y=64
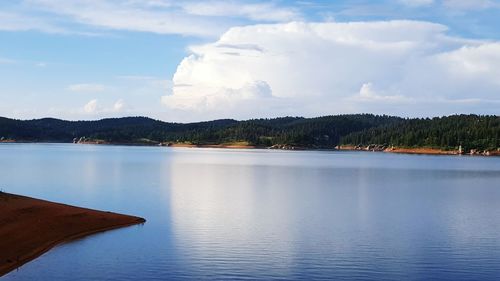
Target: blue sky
x=198 y=60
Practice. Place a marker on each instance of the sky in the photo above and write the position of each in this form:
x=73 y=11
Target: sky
x=191 y=60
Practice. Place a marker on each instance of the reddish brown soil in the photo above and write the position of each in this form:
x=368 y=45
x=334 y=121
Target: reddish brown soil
x=29 y=227
x=423 y=150
x=418 y=150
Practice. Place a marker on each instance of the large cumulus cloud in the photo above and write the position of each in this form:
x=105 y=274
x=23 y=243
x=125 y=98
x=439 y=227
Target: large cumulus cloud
x=396 y=67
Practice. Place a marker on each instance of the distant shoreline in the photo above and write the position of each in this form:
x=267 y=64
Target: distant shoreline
x=30 y=227
x=400 y=150
x=476 y=134
x=417 y=150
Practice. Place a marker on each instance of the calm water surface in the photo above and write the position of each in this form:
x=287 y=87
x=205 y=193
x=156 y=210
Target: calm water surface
x=268 y=215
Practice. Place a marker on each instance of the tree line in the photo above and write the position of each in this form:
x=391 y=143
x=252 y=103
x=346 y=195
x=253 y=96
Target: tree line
x=470 y=131
x=451 y=132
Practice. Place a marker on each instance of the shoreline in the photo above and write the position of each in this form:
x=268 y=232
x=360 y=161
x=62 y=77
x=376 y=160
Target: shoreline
x=30 y=227
x=401 y=150
x=417 y=151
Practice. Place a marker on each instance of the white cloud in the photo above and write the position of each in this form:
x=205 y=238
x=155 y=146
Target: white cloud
x=369 y=94
x=90 y=107
x=119 y=105
x=194 y=18
x=475 y=61
x=15 y=21
x=93 y=107
x=327 y=68
x=472 y=71
x=86 y=88
x=130 y=16
x=256 y=11
x=471 y=4
x=231 y=97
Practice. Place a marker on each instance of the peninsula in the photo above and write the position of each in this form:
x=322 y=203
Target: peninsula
x=30 y=227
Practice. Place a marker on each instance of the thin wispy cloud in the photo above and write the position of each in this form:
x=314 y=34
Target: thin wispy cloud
x=417 y=3
x=191 y=18
x=473 y=5
x=16 y=21
x=266 y=11
x=87 y=87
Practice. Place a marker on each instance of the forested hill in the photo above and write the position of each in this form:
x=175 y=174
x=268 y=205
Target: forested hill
x=307 y=132
x=470 y=131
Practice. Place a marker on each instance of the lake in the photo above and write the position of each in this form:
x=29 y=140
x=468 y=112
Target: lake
x=265 y=214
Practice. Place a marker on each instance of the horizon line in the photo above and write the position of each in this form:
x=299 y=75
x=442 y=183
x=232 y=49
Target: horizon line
x=243 y=120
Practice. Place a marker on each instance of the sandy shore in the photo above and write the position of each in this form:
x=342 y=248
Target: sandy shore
x=423 y=150
x=30 y=227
